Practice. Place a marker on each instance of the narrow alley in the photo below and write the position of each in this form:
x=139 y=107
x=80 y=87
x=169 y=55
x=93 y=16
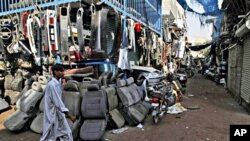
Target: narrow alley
x=211 y=110
x=217 y=112
x=124 y=70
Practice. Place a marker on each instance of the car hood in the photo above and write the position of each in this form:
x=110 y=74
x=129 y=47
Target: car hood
x=149 y=69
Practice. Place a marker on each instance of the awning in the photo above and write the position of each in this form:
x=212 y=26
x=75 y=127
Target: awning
x=200 y=47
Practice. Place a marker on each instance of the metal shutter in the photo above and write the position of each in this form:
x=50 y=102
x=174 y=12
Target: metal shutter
x=234 y=69
x=245 y=81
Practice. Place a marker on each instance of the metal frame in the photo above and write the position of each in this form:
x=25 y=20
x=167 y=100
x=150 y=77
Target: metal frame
x=14 y=6
x=147 y=12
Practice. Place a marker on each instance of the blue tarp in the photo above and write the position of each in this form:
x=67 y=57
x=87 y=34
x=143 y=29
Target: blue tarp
x=210 y=9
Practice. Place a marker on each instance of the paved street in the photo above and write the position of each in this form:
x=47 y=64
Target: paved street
x=217 y=110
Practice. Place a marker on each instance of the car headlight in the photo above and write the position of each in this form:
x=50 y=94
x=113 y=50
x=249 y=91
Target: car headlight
x=153 y=74
x=181 y=78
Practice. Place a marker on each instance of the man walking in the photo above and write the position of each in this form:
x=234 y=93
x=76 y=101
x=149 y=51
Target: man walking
x=55 y=125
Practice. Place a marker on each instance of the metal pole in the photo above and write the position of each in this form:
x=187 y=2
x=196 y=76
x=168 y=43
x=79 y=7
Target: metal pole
x=124 y=41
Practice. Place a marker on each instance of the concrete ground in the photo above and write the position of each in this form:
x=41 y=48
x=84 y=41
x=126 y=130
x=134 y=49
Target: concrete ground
x=211 y=122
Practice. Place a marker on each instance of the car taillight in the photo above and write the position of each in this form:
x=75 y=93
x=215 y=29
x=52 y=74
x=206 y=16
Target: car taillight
x=154 y=99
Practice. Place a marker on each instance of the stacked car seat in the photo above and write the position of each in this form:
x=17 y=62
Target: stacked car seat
x=37 y=124
x=72 y=99
x=13 y=86
x=133 y=109
x=115 y=120
x=94 y=112
x=28 y=108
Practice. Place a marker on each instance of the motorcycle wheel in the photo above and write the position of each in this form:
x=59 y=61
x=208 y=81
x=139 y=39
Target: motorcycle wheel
x=155 y=119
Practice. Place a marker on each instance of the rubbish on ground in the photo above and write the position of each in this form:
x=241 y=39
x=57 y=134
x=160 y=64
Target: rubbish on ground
x=139 y=126
x=176 y=109
x=195 y=107
x=190 y=95
x=118 y=131
x=181 y=107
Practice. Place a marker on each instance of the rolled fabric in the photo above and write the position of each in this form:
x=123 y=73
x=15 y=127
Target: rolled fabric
x=88 y=69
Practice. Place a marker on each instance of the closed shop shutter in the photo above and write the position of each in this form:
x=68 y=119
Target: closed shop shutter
x=239 y=56
x=231 y=69
x=245 y=81
x=234 y=69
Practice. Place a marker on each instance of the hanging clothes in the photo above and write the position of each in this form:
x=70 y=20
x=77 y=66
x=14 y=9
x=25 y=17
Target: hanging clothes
x=123 y=59
x=131 y=34
x=180 y=50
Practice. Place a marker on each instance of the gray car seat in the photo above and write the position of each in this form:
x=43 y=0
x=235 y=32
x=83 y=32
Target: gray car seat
x=43 y=80
x=94 y=112
x=83 y=85
x=137 y=94
x=10 y=95
x=13 y=87
x=3 y=105
x=105 y=78
x=37 y=124
x=26 y=108
x=27 y=85
x=28 y=101
x=115 y=120
x=72 y=99
x=133 y=110
x=17 y=83
x=16 y=121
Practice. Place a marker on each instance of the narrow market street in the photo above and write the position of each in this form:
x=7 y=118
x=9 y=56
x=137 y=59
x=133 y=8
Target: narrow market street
x=214 y=110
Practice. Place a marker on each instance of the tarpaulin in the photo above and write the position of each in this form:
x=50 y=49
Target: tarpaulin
x=200 y=47
x=210 y=8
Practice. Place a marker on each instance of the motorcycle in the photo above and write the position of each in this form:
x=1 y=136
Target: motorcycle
x=182 y=78
x=161 y=97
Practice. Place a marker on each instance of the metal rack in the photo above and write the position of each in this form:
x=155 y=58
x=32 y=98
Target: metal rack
x=16 y=6
x=147 y=12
